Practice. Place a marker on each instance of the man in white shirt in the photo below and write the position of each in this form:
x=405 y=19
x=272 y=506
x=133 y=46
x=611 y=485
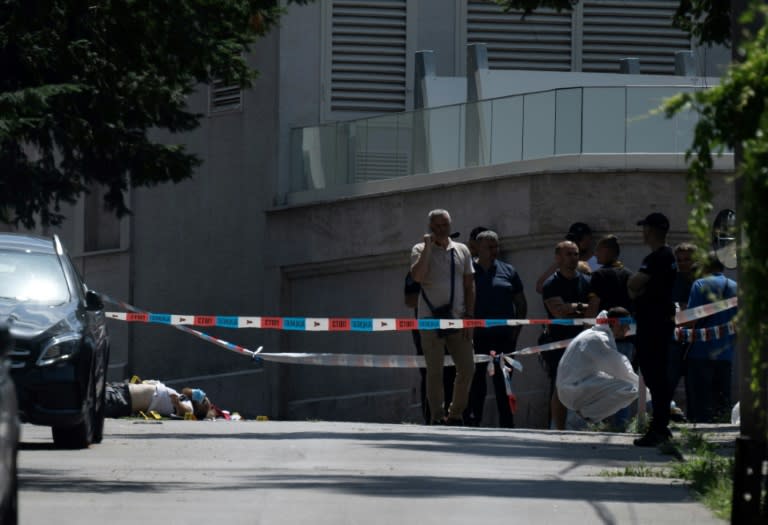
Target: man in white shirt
x=444 y=270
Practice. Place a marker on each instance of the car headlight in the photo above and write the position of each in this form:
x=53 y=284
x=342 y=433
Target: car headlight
x=59 y=348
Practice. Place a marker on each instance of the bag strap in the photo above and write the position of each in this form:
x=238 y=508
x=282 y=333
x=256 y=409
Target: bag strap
x=453 y=275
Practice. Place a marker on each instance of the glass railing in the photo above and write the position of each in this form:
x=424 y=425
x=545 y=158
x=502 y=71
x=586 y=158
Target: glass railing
x=588 y=120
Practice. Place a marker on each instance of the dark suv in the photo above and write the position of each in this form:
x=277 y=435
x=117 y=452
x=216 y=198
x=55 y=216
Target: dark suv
x=61 y=353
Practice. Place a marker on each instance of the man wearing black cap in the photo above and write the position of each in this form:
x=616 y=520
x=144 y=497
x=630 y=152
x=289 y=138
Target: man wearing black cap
x=472 y=244
x=581 y=234
x=651 y=288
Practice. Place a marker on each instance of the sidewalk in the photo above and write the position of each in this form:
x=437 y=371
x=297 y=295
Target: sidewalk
x=327 y=473
x=398 y=474
x=528 y=476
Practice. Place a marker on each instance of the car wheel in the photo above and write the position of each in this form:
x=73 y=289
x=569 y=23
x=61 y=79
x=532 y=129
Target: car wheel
x=77 y=436
x=80 y=435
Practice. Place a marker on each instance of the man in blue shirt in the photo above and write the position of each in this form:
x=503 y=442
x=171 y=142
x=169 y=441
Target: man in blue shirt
x=499 y=295
x=708 y=379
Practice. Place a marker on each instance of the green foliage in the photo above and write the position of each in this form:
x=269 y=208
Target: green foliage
x=83 y=82
x=708 y=473
x=709 y=21
x=735 y=114
x=638 y=424
x=636 y=471
x=694 y=441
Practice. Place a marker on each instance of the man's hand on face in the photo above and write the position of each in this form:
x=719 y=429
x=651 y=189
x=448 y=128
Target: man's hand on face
x=428 y=240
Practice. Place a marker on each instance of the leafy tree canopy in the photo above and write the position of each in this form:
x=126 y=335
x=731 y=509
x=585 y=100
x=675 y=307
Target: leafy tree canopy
x=734 y=114
x=83 y=81
x=709 y=21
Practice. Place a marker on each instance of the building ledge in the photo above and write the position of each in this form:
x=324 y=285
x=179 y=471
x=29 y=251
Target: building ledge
x=574 y=164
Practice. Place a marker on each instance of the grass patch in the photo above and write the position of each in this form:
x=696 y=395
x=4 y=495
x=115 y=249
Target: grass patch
x=638 y=425
x=710 y=476
x=636 y=471
x=708 y=473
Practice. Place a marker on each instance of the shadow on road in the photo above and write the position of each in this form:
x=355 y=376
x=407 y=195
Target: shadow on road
x=394 y=486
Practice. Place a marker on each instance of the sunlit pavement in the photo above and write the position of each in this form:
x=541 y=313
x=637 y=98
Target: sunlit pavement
x=322 y=472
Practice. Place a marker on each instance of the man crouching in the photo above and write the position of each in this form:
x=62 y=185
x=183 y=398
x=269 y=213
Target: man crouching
x=593 y=378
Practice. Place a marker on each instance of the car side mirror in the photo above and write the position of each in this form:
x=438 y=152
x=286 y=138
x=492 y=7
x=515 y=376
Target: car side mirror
x=93 y=301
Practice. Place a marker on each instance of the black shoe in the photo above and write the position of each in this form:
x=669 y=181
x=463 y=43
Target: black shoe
x=453 y=422
x=653 y=438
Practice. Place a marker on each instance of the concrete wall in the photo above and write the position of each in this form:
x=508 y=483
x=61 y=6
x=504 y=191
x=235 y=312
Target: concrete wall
x=349 y=258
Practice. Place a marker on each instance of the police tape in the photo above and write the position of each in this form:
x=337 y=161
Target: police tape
x=367 y=324
x=709 y=333
x=507 y=374
x=699 y=312
x=183 y=323
x=339 y=324
x=555 y=345
x=323 y=359
x=372 y=360
x=352 y=360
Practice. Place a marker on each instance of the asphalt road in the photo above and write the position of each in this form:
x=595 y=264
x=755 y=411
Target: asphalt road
x=250 y=472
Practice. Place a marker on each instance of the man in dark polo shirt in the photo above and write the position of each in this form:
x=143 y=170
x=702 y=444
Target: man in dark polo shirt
x=499 y=295
x=566 y=294
x=651 y=288
x=609 y=282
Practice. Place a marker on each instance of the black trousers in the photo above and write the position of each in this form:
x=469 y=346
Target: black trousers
x=117 y=400
x=498 y=339
x=653 y=336
x=708 y=390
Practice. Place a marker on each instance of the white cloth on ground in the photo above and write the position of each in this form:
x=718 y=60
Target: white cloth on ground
x=161 y=399
x=593 y=378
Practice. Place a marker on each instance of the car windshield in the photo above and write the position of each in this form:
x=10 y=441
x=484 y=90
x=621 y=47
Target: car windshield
x=32 y=277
